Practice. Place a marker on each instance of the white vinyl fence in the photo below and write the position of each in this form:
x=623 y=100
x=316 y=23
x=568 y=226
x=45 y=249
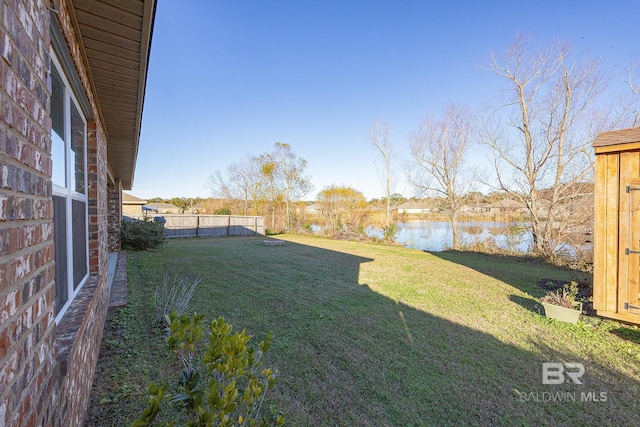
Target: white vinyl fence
x=208 y=225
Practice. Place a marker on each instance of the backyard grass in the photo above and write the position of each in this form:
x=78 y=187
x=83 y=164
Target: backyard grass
x=375 y=335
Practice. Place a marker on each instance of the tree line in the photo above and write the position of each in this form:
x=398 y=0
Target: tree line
x=267 y=184
x=537 y=132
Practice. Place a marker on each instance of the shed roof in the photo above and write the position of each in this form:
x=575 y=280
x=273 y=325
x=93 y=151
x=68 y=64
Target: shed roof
x=115 y=40
x=622 y=136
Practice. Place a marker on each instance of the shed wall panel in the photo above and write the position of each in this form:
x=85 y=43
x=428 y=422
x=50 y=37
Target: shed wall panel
x=629 y=172
x=612 y=189
x=599 y=236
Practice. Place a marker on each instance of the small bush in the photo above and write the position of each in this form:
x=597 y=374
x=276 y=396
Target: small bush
x=565 y=297
x=143 y=234
x=225 y=386
x=173 y=296
x=389 y=232
x=222 y=211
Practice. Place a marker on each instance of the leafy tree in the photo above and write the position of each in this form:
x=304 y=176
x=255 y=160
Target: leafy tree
x=184 y=203
x=295 y=184
x=340 y=206
x=268 y=181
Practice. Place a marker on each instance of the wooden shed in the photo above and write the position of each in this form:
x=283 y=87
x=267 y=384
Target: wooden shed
x=616 y=251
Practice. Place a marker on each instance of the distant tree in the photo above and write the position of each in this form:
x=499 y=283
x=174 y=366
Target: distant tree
x=184 y=203
x=339 y=207
x=270 y=183
x=222 y=211
x=266 y=183
x=295 y=184
x=438 y=150
x=380 y=140
x=540 y=135
x=475 y=197
x=242 y=184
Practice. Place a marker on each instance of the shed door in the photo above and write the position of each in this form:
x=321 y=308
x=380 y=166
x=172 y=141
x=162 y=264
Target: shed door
x=630 y=294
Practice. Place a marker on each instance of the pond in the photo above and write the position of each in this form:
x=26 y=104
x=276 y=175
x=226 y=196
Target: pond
x=438 y=236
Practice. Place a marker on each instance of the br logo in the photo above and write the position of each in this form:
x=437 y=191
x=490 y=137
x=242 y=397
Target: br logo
x=557 y=373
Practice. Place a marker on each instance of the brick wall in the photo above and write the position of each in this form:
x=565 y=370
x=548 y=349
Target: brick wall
x=27 y=303
x=45 y=369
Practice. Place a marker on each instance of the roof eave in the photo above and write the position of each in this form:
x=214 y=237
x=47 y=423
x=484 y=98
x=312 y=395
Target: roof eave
x=126 y=42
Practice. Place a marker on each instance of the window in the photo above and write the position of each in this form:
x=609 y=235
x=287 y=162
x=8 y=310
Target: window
x=69 y=176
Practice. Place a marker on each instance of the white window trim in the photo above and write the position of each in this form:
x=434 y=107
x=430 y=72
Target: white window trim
x=69 y=193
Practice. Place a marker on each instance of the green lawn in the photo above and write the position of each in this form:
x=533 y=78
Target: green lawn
x=368 y=334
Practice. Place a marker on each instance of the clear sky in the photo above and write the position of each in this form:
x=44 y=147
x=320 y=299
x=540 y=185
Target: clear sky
x=229 y=78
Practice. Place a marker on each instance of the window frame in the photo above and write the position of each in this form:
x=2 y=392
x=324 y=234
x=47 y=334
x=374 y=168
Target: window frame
x=68 y=191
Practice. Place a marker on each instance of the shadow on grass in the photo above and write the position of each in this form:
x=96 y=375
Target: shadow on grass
x=528 y=303
x=350 y=356
x=631 y=334
x=519 y=271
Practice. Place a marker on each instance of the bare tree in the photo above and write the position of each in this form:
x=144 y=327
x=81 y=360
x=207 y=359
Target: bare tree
x=244 y=182
x=438 y=149
x=379 y=138
x=541 y=134
x=633 y=81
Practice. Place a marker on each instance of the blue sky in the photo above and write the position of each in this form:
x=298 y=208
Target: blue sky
x=229 y=78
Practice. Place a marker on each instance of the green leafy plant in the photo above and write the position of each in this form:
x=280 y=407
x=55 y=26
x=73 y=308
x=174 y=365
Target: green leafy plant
x=142 y=234
x=222 y=211
x=565 y=297
x=173 y=295
x=225 y=385
x=389 y=232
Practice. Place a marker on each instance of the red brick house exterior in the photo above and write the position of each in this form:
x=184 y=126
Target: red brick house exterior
x=72 y=76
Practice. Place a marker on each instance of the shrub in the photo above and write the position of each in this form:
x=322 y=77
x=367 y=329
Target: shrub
x=565 y=297
x=222 y=211
x=173 y=296
x=389 y=232
x=143 y=234
x=225 y=386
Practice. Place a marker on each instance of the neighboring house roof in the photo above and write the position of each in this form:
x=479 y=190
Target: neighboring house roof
x=116 y=42
x=128 y=199
x=475 y=206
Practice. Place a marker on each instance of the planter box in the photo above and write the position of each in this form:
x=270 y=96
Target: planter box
x=562 y=313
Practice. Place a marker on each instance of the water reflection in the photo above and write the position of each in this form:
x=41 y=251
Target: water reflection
x=438 y=236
